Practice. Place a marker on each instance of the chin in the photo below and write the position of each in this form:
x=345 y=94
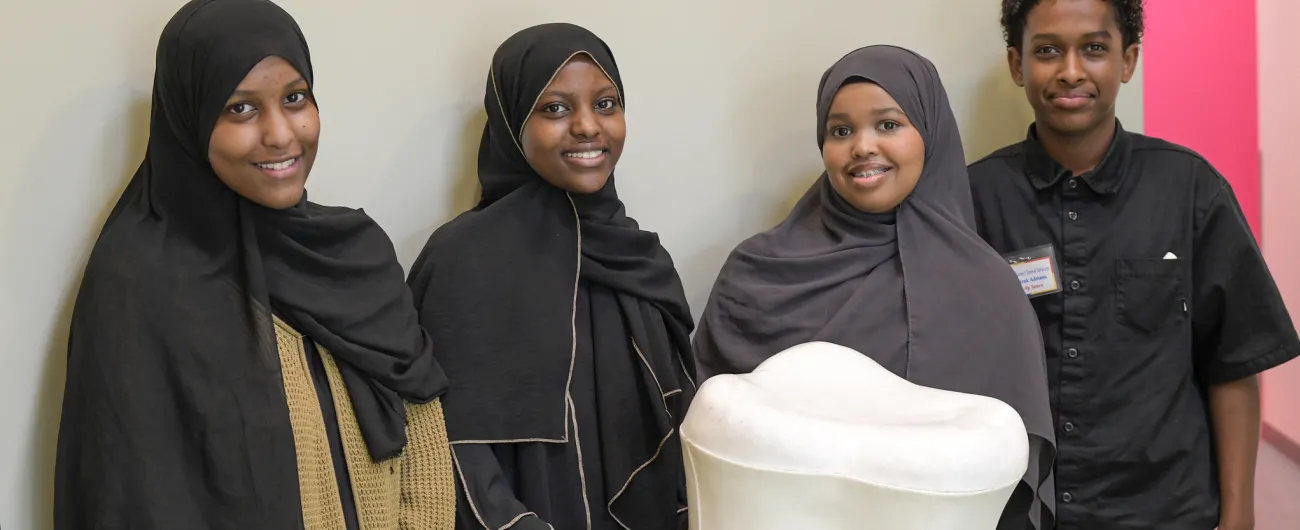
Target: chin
x=1067 y=122
x=586 y=185
x=874 y=208
x=282 y=201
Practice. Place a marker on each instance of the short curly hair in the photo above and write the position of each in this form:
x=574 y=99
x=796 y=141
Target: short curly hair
x=1128 y=13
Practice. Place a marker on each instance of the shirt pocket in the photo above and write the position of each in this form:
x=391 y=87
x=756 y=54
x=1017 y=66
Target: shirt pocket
x=1149 y=293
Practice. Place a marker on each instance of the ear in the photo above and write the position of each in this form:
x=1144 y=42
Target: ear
x=1131 y=61
x=1015 y=63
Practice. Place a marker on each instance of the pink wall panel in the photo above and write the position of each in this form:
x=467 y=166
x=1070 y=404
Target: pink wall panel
x=1200 y=86
x=1279 y=56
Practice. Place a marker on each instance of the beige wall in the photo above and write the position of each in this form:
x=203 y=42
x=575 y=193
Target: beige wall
x=1279 y=118
x=720 y=121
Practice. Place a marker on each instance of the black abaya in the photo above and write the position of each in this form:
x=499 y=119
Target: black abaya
x=563 y=328
x=543 y=478
x=175 y=412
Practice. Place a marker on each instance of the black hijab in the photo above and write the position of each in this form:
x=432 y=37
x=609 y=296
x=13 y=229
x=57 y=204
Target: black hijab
x=175 y=414
x=917 y=289
x=496 y=286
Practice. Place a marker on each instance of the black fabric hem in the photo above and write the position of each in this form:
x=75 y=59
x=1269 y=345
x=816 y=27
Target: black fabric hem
x=530 y=522
x=389 y=455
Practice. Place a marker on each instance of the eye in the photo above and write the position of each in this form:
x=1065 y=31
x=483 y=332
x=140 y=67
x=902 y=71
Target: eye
x=241 y=108
x=1047 y=50
x=606 y=104
x=1096 y=48
x=296 y=98
x=554 y=108
x=890 y=126
x=841 y=131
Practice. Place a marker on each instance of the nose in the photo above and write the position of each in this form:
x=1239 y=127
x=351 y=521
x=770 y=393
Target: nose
x=584 y=124
x=1071 y=70
x=864 y=146
x=277 y=129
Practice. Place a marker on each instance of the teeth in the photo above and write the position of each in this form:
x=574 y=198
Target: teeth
x=280 y=165
x=584 y=154
x=872 y=173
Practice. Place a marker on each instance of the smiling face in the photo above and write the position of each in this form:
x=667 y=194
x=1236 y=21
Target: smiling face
x=1072 y=64
x=574 y=135
x=873 y=154
x=264 y=142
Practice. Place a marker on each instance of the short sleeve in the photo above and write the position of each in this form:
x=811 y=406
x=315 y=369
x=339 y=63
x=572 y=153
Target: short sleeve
x=1240 y=325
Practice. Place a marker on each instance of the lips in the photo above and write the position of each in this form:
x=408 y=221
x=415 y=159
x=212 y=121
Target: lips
x=1071 y=100
x=586 y=158
x=868 y=175
x=283 y=168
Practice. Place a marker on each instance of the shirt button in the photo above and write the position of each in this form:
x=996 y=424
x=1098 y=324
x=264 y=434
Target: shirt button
x=1067 y=497
x=1074 y=216
x=1072 y=353
x=1069 y=427
x=1074 y=285
x=1074 y=183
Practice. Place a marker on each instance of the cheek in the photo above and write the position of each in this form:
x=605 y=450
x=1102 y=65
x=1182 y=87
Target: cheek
x=228 y=154
x=915 y=150
x=1104 y=73
x=1038 y=75
x=908 y=152
x=834 y=155
x=231 y=145
x=307 y=127
x=538 y=140
x=616 y=128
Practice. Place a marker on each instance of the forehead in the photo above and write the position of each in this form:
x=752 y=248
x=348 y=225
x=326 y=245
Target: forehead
x=1066 y=17
x=581 y=71
x=271 y=72
x=861 y=97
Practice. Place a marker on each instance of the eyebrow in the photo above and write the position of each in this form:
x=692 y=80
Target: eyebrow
x=250 y=93
x=567 y=95
x=877 y=112
x=1100 y=34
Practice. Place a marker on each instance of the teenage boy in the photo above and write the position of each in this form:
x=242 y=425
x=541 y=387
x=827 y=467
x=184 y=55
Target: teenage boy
x=1157 y=309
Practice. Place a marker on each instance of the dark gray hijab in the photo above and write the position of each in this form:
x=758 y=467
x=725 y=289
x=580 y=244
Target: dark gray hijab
x=916 y=289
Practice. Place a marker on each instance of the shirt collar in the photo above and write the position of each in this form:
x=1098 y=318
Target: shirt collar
x=1045 y=172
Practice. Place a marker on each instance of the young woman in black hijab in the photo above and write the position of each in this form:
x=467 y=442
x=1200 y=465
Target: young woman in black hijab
x=239 y=357
x=562 y=326
x=881 y=255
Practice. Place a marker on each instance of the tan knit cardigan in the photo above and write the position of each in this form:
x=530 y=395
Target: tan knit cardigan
x=414 y=491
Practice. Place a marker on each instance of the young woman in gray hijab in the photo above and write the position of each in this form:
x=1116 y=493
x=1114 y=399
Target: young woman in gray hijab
x=881 y=255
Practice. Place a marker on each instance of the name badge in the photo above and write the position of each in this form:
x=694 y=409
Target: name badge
x=1037 y=270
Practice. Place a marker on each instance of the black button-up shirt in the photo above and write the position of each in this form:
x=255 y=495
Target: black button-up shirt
x=1163 y=294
